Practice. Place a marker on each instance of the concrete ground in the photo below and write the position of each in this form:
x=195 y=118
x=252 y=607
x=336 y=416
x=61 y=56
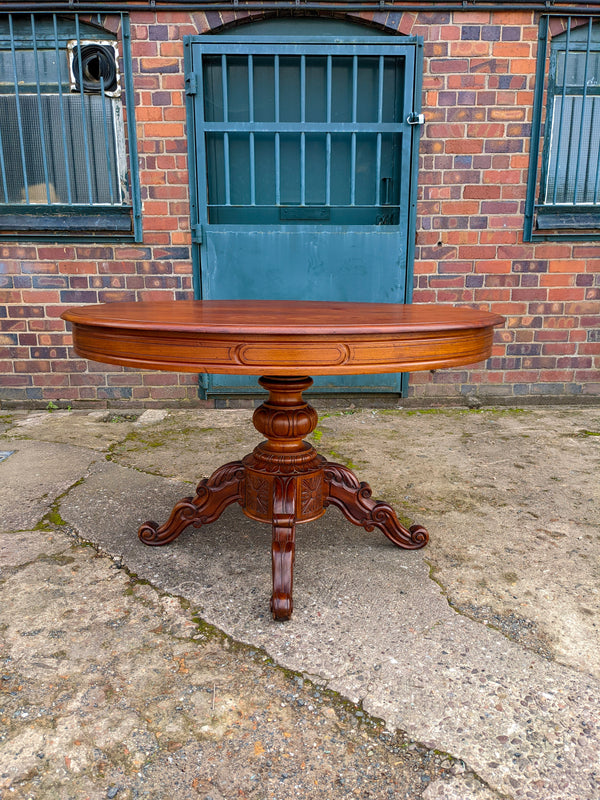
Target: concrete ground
x=469 y=670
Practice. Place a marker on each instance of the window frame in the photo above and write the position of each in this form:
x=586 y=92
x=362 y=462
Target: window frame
x=546 y=221
x=78 y=221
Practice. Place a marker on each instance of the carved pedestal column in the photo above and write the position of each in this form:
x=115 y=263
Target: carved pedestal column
x=284 y=478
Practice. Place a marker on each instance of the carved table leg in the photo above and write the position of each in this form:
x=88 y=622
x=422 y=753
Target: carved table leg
x=213 y=495
x=353 y=498
x=283 y=547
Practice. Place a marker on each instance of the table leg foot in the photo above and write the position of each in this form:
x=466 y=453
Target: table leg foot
x=213 y=495
x=353 y=498
x=283 y=547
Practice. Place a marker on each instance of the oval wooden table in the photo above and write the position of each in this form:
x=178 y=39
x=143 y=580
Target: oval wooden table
x=283 y=481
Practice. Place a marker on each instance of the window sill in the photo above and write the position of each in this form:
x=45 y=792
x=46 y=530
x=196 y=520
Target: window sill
x=94 y=223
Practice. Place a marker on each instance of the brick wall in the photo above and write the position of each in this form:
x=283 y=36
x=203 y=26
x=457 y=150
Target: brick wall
x=477 y=98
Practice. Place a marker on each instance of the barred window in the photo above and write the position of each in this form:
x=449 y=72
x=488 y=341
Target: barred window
x=63 y=157
x=565 y=202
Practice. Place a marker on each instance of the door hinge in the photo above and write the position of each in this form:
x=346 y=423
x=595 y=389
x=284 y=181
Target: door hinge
x=415 y=119
x=191 y=84
x=197 y=234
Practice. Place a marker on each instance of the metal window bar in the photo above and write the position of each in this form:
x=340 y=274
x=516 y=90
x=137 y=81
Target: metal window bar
x=582 y=119
x=597 y=181
x=251 y=139
x=61 y=106
x=380 y=75
x=83 y=116
x=39 y=106
x=226 y=152
x=277 y=137
x=109 y=166
x=562 y=106
x=303 y=134
x=3 y=170
x=18 y=107
x=328 y=89
x=353 y=134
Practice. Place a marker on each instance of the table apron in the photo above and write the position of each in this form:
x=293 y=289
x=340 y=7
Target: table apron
x=255 y=354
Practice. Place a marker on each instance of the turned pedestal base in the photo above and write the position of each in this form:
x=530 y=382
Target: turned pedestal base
x=284 y=481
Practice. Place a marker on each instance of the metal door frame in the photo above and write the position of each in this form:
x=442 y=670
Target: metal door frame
x=351 y=46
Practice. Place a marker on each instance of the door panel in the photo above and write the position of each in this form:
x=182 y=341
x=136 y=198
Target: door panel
x=303 y=154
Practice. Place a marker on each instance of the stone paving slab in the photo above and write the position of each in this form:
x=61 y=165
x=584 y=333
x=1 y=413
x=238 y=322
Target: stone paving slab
x=463 y=646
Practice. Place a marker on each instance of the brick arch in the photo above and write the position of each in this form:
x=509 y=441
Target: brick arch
x=387 y=22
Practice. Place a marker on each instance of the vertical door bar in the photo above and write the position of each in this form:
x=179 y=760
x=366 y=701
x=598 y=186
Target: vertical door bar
x=583 y=104
x=597 y=181
x=61 y=106
x=18 y=107
x=353 y=145
x=227 y=176
x=40 y=111
x=590 y=144
x=86 y=146
x=302 y=134
x=277 y=140
x=251 y=137
x=379 y=121
x=328 y=135
x=3 y=170
x=562 y=113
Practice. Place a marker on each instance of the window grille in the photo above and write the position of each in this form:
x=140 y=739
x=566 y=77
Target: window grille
x=564 y=179
x=63 y=156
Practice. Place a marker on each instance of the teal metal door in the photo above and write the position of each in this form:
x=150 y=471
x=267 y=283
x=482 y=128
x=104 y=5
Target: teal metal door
x=304 y=155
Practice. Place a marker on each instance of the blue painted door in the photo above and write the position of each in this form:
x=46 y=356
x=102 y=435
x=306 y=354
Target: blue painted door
x=304 y=186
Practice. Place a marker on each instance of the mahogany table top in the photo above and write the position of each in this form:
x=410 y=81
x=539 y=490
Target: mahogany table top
x=262 y=337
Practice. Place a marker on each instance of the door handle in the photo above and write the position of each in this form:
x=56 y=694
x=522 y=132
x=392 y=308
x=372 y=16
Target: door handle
x=415 y=119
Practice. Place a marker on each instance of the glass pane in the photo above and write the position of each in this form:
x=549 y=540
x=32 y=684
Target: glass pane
x=576 y=68
x=71 y=170
x=26 y=70
x=573 y=162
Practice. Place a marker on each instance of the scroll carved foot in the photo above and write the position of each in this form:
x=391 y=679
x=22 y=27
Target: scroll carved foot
x=353 y=498
x=283 y=548
x=213 y=495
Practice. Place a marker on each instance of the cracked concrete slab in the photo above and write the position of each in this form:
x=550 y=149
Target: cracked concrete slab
x=477 y=646
x=33 y=476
